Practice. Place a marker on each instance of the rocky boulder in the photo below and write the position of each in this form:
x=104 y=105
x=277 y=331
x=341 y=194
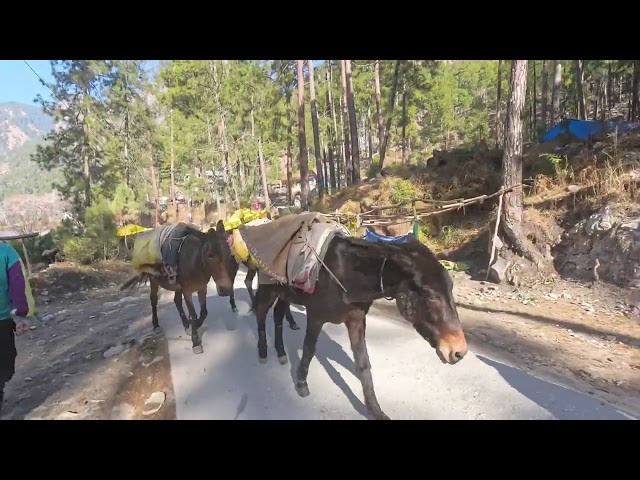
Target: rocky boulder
x=603 y=247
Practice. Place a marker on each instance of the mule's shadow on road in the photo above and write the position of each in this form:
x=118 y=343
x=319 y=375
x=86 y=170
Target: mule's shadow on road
x=327 y=349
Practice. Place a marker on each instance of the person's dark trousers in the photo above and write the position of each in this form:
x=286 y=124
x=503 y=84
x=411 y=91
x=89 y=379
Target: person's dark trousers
x=8 y=354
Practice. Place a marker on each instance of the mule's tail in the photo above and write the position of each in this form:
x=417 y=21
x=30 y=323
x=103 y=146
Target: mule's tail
x=136 y=281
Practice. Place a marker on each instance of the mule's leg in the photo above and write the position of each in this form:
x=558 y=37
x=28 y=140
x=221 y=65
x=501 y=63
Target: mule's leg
x=196 y=342
x=292 y=323
x=314 y=327
x=232 y=297
x=356 y=325
x=202 y=300
x=265 y=296
x=177 y=299
x=279 y=312
x=232 y=302
x=153 y=296
x=248 y=282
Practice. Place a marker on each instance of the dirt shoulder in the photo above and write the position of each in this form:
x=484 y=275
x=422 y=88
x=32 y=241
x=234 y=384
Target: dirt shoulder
x=94 y=356
x=580 y=337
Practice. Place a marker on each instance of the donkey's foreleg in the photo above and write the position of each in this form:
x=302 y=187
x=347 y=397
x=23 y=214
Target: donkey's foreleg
x=177 y=300
x=202 y=300
x=196 y=342
x=153 y=297
x=248 y=282
x=279 y=312
x=292 y=323
x=356 y=324
x=265 y=296
x=314 y=327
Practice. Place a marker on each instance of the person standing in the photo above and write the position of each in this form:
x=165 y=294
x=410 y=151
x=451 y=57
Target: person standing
x=15 y=294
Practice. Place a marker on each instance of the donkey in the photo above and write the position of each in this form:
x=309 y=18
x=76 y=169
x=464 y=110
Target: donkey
x=202 y=256
x=248 y=281
x=365 y=271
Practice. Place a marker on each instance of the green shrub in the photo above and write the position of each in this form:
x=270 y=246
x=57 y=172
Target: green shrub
x=83 y=250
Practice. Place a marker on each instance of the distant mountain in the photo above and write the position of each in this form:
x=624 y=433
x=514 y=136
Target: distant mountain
x=20 y=123
x=22 y=128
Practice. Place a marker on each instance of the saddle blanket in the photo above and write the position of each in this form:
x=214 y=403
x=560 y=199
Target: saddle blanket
x=290 y=250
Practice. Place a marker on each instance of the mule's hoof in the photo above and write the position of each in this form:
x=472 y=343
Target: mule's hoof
x=303 y=390
x=283 y=360
x=188 y=331
x=294 y=326
x=380 y=415
x=197 y=350
x=262 y=360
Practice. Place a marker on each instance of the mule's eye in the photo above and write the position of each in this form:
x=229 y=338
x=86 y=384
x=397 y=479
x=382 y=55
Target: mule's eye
x=433 y=296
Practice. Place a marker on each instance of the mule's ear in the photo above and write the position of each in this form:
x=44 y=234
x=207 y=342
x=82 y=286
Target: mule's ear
x=220 y=227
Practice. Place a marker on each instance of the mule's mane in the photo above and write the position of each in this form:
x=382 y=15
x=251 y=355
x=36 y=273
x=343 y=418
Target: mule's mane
x=427 y=265
x=364 y=247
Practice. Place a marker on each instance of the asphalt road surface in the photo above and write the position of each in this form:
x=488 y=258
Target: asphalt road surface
x=228 y=382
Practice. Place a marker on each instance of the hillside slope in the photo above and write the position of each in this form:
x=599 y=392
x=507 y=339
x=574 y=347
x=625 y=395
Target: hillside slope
x=22 y=128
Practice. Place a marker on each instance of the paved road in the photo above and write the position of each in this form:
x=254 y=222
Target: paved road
x=228 y=382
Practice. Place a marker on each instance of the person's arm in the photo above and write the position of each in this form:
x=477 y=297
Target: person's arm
x=18 y=286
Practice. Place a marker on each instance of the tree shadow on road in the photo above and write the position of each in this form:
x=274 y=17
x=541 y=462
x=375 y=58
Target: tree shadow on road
x=563 y=403
x=577 y=327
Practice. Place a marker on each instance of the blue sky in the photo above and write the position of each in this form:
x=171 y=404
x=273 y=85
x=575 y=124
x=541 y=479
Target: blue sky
x=19 y=84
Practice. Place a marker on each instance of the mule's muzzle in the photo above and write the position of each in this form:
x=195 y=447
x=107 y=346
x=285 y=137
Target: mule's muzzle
x=452 y=347
x=224 y=290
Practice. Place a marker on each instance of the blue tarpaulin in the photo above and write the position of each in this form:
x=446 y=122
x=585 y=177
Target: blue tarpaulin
x=371 y=236
x=584 y=129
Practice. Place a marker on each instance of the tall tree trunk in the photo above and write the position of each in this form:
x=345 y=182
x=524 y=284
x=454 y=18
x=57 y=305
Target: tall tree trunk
x=555 y=94
x=127 y=139
x=173 y=161
x=332 y=171
x=609 y=88
x=369 y=133
x=545 y=95
x=290 y=162
x=289 y=150
x=499 y=125
x=345 y=124
x=635 y=91
x=596 y=101
x=302 y=140
x=335 y=180
x=604 y=93
x=378 y=95
x=580 y=101
x=404 y=118
x=512 y=164
x=534 y=132
x=392 y=103
x=263 y=168
x=316 y=131
x=156 y=195
x=154 y=181
x=353 y=123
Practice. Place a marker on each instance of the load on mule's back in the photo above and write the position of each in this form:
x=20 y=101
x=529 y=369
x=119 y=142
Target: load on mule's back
x=183 y=259
x=175 y=254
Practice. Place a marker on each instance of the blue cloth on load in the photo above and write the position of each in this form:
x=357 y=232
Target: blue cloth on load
x=371 y=236
x=584 y=129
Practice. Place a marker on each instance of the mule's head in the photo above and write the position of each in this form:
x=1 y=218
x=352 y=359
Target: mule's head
x=425 y=298
x=217 y=253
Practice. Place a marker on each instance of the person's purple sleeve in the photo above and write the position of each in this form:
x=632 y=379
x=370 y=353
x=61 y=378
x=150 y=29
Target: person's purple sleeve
x=17 y=290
